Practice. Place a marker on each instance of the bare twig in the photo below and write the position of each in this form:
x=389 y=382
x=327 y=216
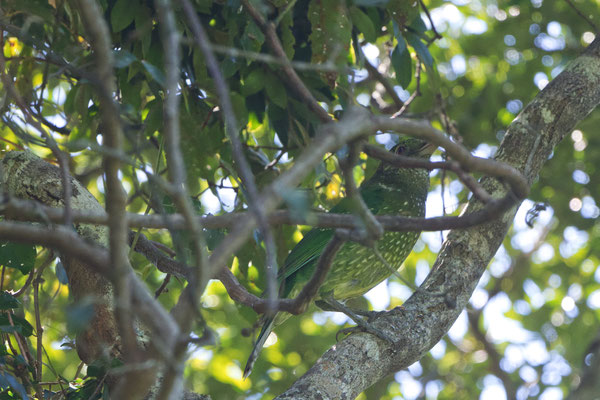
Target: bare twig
x=162 y=286
x=414 y=94
x=177 y=174
x=25 y=286
x=60 y=156
x=296 y=305
x=389 y=88
x=408 y=162
x=582 y=15
x=435 y=32
x=511 y=175
x=390 y=223
x=270 y=59
x=155 y=256
x=374 y=231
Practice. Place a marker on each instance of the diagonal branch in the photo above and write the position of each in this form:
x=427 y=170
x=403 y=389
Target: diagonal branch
x=425 y=318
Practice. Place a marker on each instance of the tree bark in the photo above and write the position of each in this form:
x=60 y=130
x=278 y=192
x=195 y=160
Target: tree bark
x=361 y=360
x=27 y=176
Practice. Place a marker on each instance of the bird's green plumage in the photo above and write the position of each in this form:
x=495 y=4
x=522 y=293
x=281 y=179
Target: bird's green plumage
x=356 y=269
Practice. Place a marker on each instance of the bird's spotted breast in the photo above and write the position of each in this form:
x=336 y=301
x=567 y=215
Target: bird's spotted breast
x=357 y=269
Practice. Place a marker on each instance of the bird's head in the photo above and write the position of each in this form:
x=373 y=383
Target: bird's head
x=409 y=147
x=413 y=147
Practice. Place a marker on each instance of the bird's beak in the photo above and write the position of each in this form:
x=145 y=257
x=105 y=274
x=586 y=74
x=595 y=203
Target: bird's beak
x=427 y=149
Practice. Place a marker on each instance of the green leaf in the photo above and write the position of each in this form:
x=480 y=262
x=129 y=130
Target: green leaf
x=123 y=58
x=421 y=49
x=253 y=38
x=276 y=92
x=253 y=82
x=418 y=25
x=40 y=8
x=8 y=301
x=19 y=325
x=239 y=107
x=155 y=73
x=288 y=40
x=363 y=23
x=122 y=14
x=402 y=64
x=371 y=3
x=17 y=255
x=331 y=30
x=7 y=380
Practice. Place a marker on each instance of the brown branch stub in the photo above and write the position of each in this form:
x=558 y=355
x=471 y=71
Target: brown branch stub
x=296 y=305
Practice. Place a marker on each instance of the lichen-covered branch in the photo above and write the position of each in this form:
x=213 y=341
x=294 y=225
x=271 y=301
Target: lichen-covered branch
x=361 y=360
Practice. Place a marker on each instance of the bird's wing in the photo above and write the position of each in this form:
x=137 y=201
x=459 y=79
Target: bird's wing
x=306 y=253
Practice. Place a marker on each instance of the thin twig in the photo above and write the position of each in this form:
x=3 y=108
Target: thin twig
x=407 y=162
x=62 y=158
x=296 y=305
x=392 y=223
x=414 y=94
x=582 y=15
x=177 y=172
x=435 y=32
x=374 y=231
x=389 y=88
x=163 y=286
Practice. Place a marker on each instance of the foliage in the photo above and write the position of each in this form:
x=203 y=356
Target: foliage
x=491 y=60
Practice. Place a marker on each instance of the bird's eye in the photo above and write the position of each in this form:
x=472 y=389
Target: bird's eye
x=400 y=149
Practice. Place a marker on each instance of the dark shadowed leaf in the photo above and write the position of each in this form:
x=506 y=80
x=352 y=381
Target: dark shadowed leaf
x=19 y=324
x=8 y=301
x=363 y=23
x=122 y=14
x=17 y=255
x=402 y=63
x=421 y=49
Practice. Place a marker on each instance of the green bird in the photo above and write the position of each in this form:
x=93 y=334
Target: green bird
x=357 y=269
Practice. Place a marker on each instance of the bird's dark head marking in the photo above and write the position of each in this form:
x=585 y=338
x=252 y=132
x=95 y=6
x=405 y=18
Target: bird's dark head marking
x=413 y=147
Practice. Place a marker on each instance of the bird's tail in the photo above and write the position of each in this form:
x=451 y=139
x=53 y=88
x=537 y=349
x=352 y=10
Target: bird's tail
x=258 y=345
